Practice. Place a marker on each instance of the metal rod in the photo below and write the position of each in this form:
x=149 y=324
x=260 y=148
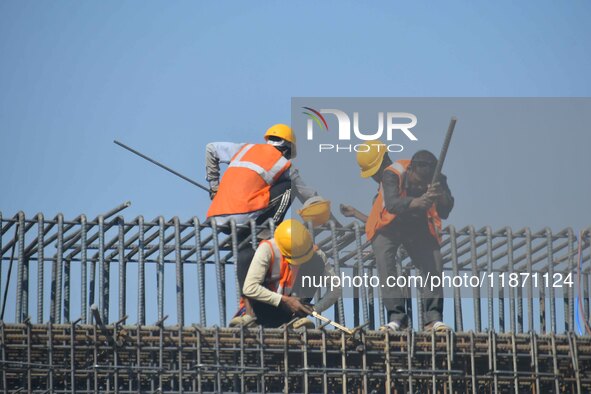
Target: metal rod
x=162 y=166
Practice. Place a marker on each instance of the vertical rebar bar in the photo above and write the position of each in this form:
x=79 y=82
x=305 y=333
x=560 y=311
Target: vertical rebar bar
x=103 y=273
x=1 y=259
x=433 y=363
x=261 y=346
x=489 y=271
x=40 y=266
x=234 y=236
x=21 y=275
x=343 y=363
x=492 y=340
x=340 y=310
x=571 y=269
x=514 y=357
x=530 y=295
x=454 y=264
x=3 y=348
x=388 y=362
x=473 y=373
x=59 y=268
x=50 y=353
x=67 y=272
x=550 y=252
x=410 y=343
x=122 y=267
x=535 y=360
x=572 y=337
x=475 y=289
x=29 y=354
x=306 y=377
x=73 y=357
x=221 y=284
x=83 y=271
x=180 y=280
x=200 y=272
x=511 y=290
x=359 y=268
x=141 y=272
x=160 y=268
x=555 y=369
x=180 y=357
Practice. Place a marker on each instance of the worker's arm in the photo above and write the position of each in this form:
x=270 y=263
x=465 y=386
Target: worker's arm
x=393 y=201
x=253 y=284
x=349 y=211
x=217 y=153
x=302 y=191
x=331 y=296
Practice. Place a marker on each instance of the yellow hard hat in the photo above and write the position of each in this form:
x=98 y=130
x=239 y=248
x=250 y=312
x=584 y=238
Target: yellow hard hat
x=282 y=131
x=316 y=210
x=370 y=160
x=294 y=242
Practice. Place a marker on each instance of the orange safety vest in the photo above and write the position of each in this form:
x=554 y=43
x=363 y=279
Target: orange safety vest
x=379 y=217
x=247 y=181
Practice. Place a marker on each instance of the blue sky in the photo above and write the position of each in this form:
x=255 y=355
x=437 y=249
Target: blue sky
x=168 y=77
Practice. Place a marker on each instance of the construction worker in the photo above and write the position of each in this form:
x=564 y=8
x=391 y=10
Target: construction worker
x=258 y=181
x=274 y=283
x=407 y=210
x=315 y=210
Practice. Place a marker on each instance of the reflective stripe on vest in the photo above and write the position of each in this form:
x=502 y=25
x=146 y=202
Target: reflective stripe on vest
x=268 y=176
x=246 y=183
x=280 y=275
x=379 y=217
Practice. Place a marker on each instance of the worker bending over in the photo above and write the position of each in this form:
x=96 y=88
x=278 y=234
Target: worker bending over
x=274 y=283
x=258 y=181
x=407 y=210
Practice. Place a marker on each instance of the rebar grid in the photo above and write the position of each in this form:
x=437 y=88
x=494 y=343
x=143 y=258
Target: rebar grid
x=113 y=247
x=78 y=358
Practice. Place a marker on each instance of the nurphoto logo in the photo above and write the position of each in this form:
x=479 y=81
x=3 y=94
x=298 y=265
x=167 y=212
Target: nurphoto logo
x=388 y=124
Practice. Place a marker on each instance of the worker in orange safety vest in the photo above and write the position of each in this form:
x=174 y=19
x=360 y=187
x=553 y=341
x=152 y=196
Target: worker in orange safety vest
x=407 y=210
x=259 y=180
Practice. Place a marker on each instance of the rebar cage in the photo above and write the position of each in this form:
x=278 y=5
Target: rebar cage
x=99 y=281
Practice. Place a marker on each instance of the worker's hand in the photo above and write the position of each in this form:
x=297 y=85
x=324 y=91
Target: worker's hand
x=434 y=191
x=294 y=305
x=347 y=210
x=213 y=189
x=422 y=203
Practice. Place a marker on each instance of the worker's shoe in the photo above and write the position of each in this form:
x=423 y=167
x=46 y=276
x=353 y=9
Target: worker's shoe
x=437 y=326
x=303 y=322
x=393 y=326
x=244 y=320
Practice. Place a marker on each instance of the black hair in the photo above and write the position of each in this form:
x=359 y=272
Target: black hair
x=424 y=156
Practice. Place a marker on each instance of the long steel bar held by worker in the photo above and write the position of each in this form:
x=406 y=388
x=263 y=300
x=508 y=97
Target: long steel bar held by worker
x=162 y=166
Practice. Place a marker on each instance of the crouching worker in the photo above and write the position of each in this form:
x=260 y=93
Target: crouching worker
x=275 y=284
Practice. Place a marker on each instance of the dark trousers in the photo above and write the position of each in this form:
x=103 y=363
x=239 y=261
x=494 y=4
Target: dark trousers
x=425 y=254
x=279 y=203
